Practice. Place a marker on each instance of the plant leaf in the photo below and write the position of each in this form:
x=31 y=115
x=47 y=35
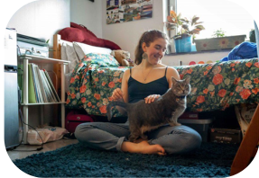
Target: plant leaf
x=196 y=23
x=200 y=27
x=194 y=19
x=173 y=14
x=195 y=31
x=186 y=27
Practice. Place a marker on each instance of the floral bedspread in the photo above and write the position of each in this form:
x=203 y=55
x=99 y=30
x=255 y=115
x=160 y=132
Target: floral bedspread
x=217 y=86
x=92 y=83
x=214 y=86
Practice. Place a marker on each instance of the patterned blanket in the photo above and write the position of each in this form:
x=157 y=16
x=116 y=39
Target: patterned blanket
x=214 y=86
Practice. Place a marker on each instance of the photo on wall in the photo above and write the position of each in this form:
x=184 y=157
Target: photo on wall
x=119 y=11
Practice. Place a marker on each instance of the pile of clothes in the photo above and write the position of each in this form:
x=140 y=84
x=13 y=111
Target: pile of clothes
x=244 y=50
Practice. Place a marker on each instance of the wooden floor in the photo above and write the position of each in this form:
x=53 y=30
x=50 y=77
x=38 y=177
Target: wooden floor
x=46 y=147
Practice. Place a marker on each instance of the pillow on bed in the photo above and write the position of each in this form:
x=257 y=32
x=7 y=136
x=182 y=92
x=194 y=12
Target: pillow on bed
x=83 y=49
x=71 y=56
x=102 y=60
x=63 y=52
x=80 y=33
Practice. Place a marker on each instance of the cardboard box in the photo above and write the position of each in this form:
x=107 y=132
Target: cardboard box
x=222 y=135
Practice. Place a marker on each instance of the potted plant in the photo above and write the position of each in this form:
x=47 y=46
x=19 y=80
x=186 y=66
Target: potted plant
x=219 y=41
x=218 y=33
x=187 y=29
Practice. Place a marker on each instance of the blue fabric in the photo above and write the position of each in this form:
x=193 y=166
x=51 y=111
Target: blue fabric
x=245 y=50
x=224 y=59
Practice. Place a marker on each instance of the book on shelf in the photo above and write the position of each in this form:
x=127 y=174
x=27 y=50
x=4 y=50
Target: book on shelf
x=31 y=89
x=40 y=86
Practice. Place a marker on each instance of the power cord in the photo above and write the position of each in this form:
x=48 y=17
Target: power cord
x=37 y=149
x=21 y=118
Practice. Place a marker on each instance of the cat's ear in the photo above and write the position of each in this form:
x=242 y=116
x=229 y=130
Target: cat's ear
x=173 y=81
x=187 y=79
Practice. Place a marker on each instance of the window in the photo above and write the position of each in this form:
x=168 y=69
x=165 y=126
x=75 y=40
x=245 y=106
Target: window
x=215 y=15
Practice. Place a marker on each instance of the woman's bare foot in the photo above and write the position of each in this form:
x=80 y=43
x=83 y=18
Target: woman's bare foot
x=142 y=147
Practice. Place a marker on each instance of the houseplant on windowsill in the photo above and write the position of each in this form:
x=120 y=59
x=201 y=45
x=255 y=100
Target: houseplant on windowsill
x=187 y=30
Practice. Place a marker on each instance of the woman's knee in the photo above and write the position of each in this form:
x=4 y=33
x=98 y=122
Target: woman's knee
x=187 y=142
x=81 y=131
x=193 y=140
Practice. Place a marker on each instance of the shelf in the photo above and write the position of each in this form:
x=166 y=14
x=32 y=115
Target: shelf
x=41 y=59
x=34 y=104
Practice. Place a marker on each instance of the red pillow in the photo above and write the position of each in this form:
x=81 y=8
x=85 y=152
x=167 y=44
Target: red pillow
x=81 y=34
x=83 y=28
x=110 y=44
x=72 y=34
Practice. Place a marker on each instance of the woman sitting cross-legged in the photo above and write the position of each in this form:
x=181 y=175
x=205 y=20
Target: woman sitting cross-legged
x=147 y=80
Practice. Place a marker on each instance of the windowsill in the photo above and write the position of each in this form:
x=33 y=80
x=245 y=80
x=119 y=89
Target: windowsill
x=199 y=52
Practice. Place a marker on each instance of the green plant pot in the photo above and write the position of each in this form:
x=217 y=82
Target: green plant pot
x=252 y=36
x=228 y=42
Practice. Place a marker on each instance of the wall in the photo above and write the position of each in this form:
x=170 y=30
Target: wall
x=41 y=19
x=127 y=34
x=88 y=14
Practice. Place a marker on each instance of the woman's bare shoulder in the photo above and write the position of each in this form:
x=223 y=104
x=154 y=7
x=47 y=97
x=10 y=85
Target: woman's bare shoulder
x=126 y=74
x=172 y=72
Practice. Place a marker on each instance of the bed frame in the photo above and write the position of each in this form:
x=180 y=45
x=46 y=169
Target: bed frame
x=248 y=146
x=57 y=43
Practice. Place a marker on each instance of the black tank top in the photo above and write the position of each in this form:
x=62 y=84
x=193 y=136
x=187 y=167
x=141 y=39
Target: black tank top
x=138 y=91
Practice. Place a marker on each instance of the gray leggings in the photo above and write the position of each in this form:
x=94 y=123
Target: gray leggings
x=110 y=136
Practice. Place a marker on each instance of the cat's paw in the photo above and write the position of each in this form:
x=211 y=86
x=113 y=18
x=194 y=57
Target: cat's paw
x=178 y=124
x=174 y=124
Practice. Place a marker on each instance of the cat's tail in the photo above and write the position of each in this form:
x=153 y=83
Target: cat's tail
x=114 y=103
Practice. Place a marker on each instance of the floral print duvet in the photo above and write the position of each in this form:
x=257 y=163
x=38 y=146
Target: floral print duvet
x=215 y=86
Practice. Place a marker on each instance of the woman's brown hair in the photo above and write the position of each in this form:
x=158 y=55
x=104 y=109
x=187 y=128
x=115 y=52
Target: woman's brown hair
x=147 y=37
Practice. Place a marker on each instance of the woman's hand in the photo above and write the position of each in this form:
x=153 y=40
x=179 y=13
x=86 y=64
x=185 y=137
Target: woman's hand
x=151 y=98
x=117 y=94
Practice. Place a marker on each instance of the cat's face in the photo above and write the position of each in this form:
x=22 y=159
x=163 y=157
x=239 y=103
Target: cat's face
x=181 y=87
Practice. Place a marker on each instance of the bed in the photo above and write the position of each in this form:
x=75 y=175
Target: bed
x=216 y=86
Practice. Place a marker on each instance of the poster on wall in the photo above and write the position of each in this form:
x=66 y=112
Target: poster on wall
x=119 y=11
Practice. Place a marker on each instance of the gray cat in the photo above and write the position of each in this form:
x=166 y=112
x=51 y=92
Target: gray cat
x=166 y=109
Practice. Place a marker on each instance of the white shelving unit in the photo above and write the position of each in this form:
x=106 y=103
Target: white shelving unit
x=41 y=60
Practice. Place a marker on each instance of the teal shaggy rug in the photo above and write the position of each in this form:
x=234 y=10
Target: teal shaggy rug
x=211 y=160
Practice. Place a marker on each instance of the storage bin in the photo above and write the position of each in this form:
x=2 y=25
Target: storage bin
x=202 y=126
x=228 y=42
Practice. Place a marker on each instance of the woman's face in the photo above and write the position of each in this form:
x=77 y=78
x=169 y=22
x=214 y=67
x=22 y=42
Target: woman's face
x=155 y=51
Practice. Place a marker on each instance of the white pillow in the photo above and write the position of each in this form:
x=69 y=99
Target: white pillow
x=83 y=49
x=71 y=56
x=63 y=52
